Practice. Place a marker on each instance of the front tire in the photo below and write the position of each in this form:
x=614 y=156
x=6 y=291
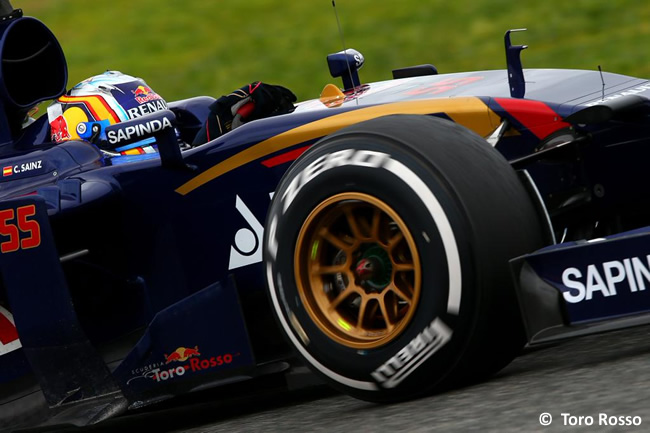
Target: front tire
x=386 y=257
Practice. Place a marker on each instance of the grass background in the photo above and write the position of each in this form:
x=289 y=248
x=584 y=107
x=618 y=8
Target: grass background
x=186 y=48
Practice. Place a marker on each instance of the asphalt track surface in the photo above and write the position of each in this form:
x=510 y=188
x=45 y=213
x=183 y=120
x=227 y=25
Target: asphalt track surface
x=605 y=374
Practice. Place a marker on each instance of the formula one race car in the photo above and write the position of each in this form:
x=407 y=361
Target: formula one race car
x=399 y=237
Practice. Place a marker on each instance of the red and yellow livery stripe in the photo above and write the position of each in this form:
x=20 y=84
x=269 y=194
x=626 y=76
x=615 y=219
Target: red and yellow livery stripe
x=470 y=112
x=535 y=116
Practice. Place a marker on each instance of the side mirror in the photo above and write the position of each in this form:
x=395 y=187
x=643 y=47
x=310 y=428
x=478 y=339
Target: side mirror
x=345 y=64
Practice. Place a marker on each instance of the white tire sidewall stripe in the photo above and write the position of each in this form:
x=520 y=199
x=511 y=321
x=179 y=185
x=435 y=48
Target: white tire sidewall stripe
x=358 y=384
x=441 y=221
x=444 y=228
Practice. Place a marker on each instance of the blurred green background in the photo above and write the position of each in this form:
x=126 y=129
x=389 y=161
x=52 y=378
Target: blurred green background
x=203 y=47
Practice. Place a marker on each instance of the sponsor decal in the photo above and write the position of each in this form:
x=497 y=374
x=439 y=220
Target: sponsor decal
x=147 y=108
x=140 y=130
x=10 y=170
x=392 y=372
x=59 y=129
x=606 y=279
x=160 y=375
x=247 y=248
x=146 y=368
x=144 y=94
x=197 y=364
x=182 y=354
x=160 y=371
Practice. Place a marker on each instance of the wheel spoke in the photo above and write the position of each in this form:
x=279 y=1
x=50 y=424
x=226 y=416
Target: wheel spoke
x=392 y=242
x=364 y=224
x=376 y=219
x=372 y=312
x=385 y=315
x=403 y=267
x=349 y=290
x=362 y=312
x=395 y=305
x=323 y=270
x=406 y=297
x=352 y=222
x=334 y=240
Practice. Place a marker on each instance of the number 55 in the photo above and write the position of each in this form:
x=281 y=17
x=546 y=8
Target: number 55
x=28 y=227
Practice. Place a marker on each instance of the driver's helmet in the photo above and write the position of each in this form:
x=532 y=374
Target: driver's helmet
x=112 y=96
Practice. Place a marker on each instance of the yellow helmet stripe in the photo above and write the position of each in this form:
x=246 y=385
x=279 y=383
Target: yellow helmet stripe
x=95 y=104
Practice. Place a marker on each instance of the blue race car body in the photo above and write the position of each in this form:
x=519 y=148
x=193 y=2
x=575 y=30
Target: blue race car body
x=128 y=280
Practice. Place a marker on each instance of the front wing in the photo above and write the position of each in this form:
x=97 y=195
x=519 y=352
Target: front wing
x=580 y=288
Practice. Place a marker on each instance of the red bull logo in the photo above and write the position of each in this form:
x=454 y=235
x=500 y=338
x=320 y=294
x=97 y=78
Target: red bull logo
x=59 y=128
x=141 y=91
x=144 y=94
x=182 y=354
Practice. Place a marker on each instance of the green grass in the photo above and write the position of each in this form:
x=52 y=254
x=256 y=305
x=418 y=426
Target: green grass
x=209 y=47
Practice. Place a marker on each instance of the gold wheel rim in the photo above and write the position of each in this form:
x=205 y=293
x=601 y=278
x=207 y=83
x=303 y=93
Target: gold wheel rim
x=357 y=270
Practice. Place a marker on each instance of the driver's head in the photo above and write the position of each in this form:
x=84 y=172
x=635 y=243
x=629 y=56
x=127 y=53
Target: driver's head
x=111 y=96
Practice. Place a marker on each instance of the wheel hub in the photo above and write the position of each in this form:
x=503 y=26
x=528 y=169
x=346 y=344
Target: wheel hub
x=374 y=269
x=357 y=270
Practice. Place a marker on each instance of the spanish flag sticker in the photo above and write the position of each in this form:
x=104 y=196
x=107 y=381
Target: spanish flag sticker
x=7 y=171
